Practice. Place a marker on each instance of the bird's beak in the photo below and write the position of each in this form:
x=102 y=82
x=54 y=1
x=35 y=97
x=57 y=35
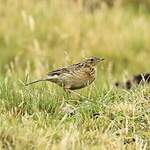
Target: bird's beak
x=100 y=59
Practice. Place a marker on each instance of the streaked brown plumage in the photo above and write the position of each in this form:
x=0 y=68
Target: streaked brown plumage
x=75 y=76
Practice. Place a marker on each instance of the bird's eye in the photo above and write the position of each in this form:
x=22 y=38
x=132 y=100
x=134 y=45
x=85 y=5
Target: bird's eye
x=92 y=59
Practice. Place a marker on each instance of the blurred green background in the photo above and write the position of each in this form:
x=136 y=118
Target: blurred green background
x=37 y=36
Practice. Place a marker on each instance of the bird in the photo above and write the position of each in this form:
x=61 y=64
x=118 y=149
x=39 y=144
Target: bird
x=75 y=76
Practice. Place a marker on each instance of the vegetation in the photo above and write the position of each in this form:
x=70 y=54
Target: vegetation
x=38 y=36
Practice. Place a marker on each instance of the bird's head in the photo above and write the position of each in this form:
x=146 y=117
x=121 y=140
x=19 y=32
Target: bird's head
x=93 y=60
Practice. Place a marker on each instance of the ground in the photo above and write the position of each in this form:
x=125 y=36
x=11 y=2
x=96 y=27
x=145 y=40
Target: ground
x=38 y=36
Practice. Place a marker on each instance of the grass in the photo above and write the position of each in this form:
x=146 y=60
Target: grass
x=38 y=36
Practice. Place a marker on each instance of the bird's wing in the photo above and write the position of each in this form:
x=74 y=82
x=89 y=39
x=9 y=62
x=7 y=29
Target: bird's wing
x=65 y=69
x=68 y=69
x=76 y=66
x=58 y=72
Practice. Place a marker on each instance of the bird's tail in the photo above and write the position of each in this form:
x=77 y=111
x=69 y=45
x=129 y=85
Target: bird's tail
x=45 y=79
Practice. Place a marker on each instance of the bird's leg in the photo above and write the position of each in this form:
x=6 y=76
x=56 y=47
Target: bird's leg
x=67 y=91
x=79 y=95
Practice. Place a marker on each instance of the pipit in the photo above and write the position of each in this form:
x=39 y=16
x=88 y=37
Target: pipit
x=75 y=76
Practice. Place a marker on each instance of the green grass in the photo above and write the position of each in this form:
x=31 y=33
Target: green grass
x=35 y=118
x=38 y=36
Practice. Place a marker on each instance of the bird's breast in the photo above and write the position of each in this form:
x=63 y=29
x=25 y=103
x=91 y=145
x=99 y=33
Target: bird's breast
x=82 y=78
